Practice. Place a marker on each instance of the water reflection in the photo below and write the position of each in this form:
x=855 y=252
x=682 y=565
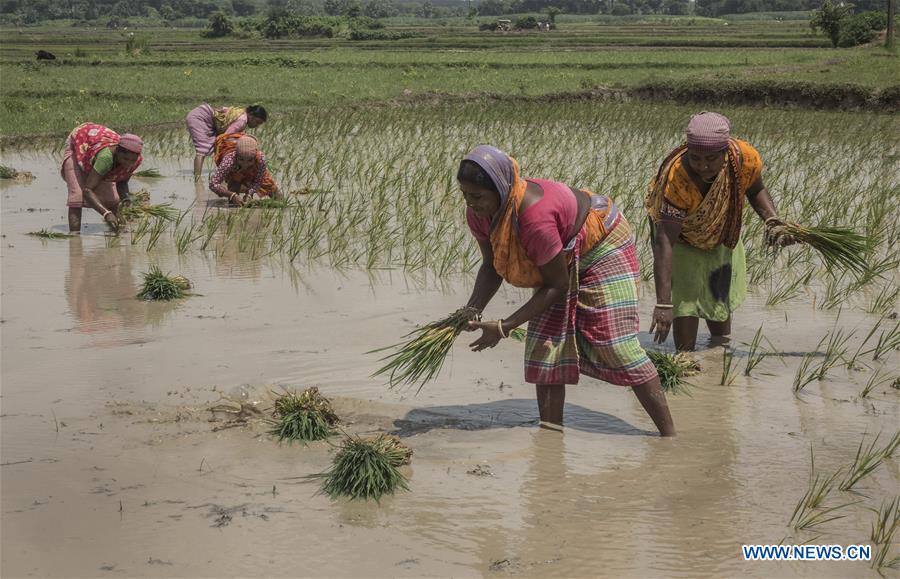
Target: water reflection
x=100 y=289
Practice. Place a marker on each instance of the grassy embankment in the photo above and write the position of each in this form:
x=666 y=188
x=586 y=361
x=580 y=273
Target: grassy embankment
x=746 y=61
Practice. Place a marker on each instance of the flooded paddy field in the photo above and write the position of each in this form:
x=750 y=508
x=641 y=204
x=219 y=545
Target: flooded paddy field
x=114 y=465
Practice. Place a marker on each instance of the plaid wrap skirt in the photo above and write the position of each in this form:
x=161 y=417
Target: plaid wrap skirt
x=594 y=331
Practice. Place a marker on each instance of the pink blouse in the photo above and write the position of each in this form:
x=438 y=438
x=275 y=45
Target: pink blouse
x=544 y=228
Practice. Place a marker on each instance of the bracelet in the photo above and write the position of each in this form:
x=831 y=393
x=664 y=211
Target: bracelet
x=665 y=306
x=500 y=329
x=105 y=214
x=774 y=217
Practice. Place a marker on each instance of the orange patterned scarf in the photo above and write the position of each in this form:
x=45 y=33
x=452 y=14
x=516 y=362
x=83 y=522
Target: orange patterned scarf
x=511 y=261
x=717 y=219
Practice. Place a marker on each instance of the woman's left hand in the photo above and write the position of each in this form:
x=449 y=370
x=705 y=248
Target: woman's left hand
x=490 y=335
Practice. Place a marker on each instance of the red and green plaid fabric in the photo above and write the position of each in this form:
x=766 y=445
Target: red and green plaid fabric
x=594 y=332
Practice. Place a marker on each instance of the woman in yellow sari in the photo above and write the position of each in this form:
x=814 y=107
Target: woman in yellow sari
x=695 y=204
x=205 y=123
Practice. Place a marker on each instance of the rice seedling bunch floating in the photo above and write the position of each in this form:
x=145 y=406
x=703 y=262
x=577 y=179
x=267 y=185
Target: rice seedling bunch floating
x=14 y=174
x=48 y=234
x=148 y=174
x=305 y=417
x=158 y=286
x=673 y=369
x=422 y=356
x=367 y=468
x=839 y=247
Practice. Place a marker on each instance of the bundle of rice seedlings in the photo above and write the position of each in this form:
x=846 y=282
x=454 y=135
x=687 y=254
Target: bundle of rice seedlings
x=139 y=197
x=518 y=334
x=421 y=358
x=10 y=173
x=839 y=247
x=266 y=203
x=164 y=211
x=182 y=282
x=159 y=287
x=148 y=174
x=367 y=468
x=48 y=234
x=306 y=416
x=673 y=369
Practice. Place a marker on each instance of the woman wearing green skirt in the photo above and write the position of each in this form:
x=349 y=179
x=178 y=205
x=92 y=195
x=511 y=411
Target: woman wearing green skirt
x=695 y=204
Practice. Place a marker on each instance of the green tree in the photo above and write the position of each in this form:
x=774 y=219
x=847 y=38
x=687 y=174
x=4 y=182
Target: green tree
x=828 y=19
x=380 y=9
x=334 y=7
x=354 y=9
x=219 y=25
x=243 y=7
x=552 y=12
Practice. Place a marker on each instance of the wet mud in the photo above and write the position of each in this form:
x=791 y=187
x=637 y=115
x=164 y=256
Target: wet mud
x=114 y=463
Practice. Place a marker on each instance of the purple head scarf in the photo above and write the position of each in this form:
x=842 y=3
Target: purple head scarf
x=498 y=165
x=708 y=132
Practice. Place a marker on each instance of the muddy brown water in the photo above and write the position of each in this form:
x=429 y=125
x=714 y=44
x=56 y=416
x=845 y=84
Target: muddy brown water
x=113 y=466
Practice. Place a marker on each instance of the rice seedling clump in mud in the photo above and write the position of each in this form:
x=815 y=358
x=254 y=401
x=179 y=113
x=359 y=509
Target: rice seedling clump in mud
x=673 y=369
x=305 y=417
x=158 y=286
x=367 y=468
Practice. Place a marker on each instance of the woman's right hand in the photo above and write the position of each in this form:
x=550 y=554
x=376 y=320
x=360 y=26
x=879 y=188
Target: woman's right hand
x=111 y=220
x=472 y=315
x=662 y=323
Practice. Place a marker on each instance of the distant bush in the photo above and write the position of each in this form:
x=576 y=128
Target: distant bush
x=875 y=20
x=855 y=30
x=361 y=34
x=526 y=23
x=366 y=22
x=620 y=9
x=282 y=26
x=219 y=25
x=488 y=26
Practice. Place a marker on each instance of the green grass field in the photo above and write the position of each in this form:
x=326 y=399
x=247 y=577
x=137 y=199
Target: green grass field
x=94 y=79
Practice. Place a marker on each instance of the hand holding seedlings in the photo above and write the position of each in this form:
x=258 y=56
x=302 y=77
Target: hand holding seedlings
x=111 y=220
x=777 y=233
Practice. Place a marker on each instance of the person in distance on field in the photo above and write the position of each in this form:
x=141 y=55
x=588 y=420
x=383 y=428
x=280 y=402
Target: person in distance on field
x=241 y=172
x=205 y=123
x=97 y=165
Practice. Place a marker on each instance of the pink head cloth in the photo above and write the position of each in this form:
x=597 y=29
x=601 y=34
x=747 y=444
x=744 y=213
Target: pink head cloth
x=131 y=143
x=708 y=132
x=246 y=146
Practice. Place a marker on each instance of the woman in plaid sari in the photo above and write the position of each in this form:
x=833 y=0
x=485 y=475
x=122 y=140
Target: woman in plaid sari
x=577 y=251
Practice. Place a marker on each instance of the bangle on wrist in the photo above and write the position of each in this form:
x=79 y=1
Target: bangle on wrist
x=500 y=329
x=773 y=218
x=106 y=213
x=665 y=306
